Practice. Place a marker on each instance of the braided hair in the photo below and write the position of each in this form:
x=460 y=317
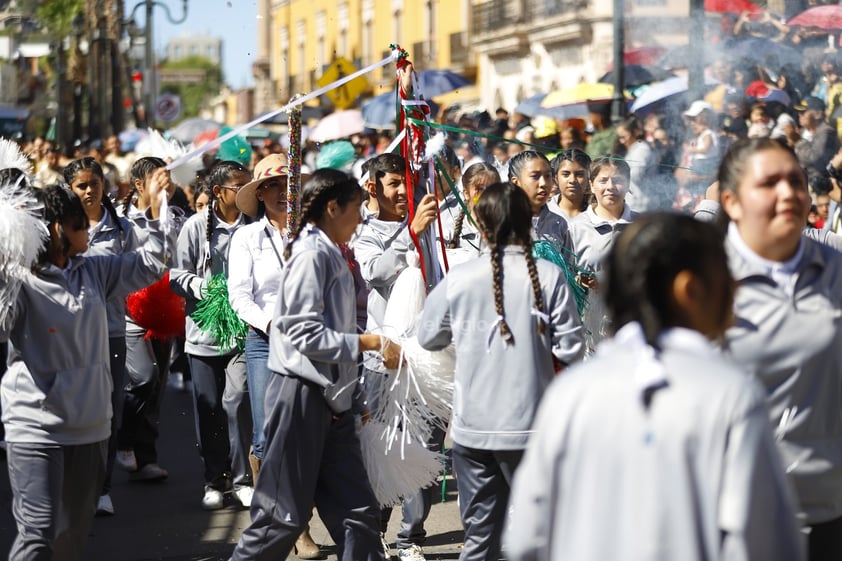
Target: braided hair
x=61 y=206
x=644 y=261
x=518 y=162
x=476 y=173
x=505 y=218
x=219 y=174
x=75 y=167
x=141 y=170
x=324 y=185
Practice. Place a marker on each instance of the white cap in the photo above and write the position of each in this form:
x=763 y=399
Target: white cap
x=697 y=107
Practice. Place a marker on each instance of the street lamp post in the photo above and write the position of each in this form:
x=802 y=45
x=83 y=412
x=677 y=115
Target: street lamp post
x=150 y=89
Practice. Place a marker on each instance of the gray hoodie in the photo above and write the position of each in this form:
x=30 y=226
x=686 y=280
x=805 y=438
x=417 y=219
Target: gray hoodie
x=693 y=477
x=191 y=271
x=793 y=345
x=313 y=333
x=57 y=389
x=105 y=238
x=497 y=388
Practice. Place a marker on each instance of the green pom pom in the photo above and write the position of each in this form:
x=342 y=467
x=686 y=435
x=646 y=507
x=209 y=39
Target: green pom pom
x=336 y=155
x=215 y=315
x=542 y=249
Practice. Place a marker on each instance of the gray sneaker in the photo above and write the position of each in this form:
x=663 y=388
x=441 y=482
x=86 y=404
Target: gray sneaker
x=149 y=472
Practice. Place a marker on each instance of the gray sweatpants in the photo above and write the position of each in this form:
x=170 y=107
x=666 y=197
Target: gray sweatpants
x=312 y=456
x=485 y=481
x=55 y=490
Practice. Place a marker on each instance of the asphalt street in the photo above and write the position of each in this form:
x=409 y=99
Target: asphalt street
x=165 y=522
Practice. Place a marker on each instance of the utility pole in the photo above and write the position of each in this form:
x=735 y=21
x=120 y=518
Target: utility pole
x=618 y=101
x=696 y=66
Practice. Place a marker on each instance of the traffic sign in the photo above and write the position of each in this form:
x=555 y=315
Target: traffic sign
x=344 y=96
x=168 y=107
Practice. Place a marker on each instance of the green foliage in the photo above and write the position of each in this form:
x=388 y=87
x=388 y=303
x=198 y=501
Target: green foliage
x=194 y=96
x=56 y=15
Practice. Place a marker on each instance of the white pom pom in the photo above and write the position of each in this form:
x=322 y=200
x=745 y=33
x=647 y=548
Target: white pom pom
x=170 y=150
x=396 y=470
x=435 y=146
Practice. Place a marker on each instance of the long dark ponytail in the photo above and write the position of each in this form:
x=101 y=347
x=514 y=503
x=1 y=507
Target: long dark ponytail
x=61 y=205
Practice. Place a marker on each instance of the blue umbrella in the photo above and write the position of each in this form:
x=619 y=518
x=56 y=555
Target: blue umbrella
x=436 y=82
x=380 y=111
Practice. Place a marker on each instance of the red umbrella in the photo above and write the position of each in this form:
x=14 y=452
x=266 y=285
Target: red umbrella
x=642 y=55
x=825 y=17
x=732 y=6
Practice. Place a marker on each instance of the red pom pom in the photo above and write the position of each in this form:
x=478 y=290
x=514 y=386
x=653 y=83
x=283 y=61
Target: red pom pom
x=158 y=309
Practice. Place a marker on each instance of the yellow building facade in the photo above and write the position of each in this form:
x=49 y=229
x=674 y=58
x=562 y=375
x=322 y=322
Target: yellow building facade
x=306 y=36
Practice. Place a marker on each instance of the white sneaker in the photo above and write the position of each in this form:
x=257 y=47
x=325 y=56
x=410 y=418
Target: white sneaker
x=213 y=499
x=412 y=553
x=149 y=472
x=244 y=495
x=126 y=460
x=104 y=506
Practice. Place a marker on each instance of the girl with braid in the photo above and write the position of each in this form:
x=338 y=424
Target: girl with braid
x=56 y=394
x=148 y=359
x=108 y=234
x=220 y=399
x=658 y=437
x=312 y=452
x=531 y=171
x=514 y=324
x=474 y=181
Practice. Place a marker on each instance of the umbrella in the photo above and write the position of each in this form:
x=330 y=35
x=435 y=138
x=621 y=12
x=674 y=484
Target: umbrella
x=637 y=75
x=436 y=82
x=380 y=111
x=643 y=55
x=663 y=91
x=339 y=124
x=189 y=129
x=531 y=105
x=765 y=51
x=825 y=17
x=680 y=57
x=573 y=102
x=732 y=6
x=580 y=93
x=130 y=137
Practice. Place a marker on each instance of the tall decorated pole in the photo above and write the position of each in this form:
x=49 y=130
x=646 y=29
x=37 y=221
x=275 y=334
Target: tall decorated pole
x=294 y=180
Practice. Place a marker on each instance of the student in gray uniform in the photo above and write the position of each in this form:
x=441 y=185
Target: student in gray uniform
x=466 y=236
x=531 y=171
x=148 y=359
x=220 y=398
x=593 y=233
x=514 y=323
x=787 y=331
x=381 y=249
x=657 y=448
x=449 y=208
x=56 y=394
x=108 y=234
x=312 y=450
x=571 y=170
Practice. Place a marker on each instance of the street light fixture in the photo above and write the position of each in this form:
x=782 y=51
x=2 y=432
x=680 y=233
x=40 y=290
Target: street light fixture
x=149 y=81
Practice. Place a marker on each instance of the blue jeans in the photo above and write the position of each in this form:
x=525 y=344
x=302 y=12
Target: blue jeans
x=258 y=375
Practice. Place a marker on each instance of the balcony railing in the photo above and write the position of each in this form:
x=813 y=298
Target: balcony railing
x=497 y=14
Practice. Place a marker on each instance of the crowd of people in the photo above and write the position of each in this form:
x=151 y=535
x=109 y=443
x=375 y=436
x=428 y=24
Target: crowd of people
x=630 y=381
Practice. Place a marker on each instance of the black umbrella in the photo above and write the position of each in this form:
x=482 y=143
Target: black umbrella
x=638 y=74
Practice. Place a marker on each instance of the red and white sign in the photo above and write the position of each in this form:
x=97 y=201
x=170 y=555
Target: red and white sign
x=167 y=107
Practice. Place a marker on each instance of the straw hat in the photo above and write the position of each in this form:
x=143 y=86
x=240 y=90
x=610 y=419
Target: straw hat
x=273 y=165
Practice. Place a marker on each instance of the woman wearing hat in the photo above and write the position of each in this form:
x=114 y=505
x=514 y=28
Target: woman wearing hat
x=254 y=274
